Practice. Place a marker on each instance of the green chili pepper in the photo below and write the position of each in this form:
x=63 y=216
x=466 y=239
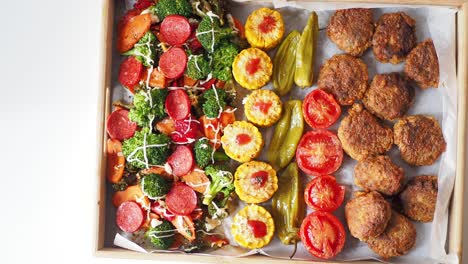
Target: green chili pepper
x=288 y=205
x=287 y=134
x=305 y=54
x=284 y=63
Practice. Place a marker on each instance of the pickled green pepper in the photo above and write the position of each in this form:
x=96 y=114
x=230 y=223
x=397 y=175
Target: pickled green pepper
x=287 y=134
x=288 y=205
x=284 y=63
x=305 y=54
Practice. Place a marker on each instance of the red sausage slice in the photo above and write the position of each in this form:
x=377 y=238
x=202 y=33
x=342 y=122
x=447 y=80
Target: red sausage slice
x=130 y=73
x=173 y=62
x=119 y=125
x=181 y=199
x=178 y=104
x=129 y=216
x=181 y=160
x=175 y=30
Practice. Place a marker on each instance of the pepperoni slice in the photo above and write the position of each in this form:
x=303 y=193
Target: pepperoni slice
x=175 y=30
x=173 y=62
x=119 y=125
x=181 y=199
x=130 y=73
x=181 y=160
x=178 y=104
x=129 y=216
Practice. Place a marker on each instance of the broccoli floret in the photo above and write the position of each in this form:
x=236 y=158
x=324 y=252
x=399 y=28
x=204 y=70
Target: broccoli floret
x=162 y=236
x=173 y=7
x=221 y=179
x=120 y=186
x=222 y=61
x=154 y=185
x=202 y=7
x=144 y=50
x=214 y=102
x=144 y=109
x=204 y=153
x=198 y=67
x=210 y=33
x=157 y=149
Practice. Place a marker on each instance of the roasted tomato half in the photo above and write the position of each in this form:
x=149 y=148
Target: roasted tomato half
x=323 y=193
x=320 y=109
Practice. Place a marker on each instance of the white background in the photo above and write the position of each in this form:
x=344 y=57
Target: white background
x=49 y=69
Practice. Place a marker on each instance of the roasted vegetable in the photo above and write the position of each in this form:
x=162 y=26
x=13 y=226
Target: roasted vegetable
x=288 y=205
x=173 y=7
x=287 y=134
x=210 y=33
x=263 y=108
x=161 y=236
x=284 y=64
x=205 y=154
x=146 y=149
x=203 y=7
x=223 y=57
x=144 y=50
x=252 y=68
x=221 y=179
x=148 y=105
x=242 y=141
x=214 y=102
x=305 y=54
x=154 y=186
x=264 y=28
x=253 y=227
x=198 y=67
x=255 y=182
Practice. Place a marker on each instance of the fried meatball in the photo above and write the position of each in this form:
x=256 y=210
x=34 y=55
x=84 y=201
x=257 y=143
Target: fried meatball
x=418 y=199
x=345 y=77
x=394 y=37
x=362 y=135
x=422 y=65
x=397 y=239
x=419 y=139
x=379 y=174
x=389 y=96
x=367 y=215
x=351 y=30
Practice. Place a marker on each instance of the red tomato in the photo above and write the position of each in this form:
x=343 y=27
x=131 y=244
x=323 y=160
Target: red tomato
x=323 y=193
x=319 y=153
x=320 y=109
x=323 y=234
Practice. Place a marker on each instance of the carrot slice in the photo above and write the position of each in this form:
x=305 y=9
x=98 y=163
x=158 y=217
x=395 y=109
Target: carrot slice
x=184 y=225
x=166 y=126
x=133 y=31
x=159 y=171
x=227 y=117
x=157 y=78
x=115 y=161
x=132 y=193
x=189 y=82
x=197 y=180
x=212 y=130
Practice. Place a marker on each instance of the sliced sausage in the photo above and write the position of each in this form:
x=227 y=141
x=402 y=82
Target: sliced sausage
x=173 y=62
x=119 y=125
x=175 y=30
x=181 y=160
x=129 y=216
x=181 y=199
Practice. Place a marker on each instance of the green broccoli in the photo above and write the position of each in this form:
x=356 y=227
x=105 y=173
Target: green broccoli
x=154 y=185
x=145 y=109
x=198 y=67
x=218 y=207
x=173 y=7
x=210 y=33
x=221 y=180
x=222 y=61
x=204 y=153
x=157 y=149
x=162 y=236
x=214 y=102
x=144 y=50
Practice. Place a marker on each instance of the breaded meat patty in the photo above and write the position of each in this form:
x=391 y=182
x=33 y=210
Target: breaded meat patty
x=419 y=139
x=345 y=77
x=362 y=134
x=394 y=37
x=422 y=65
x=397 y=239
x=367 y=215
x=379 y=174
x=351 y=30
x=389 y=96
x=418 y=199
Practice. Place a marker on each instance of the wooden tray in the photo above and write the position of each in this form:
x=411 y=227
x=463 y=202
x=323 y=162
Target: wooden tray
x=455 y=229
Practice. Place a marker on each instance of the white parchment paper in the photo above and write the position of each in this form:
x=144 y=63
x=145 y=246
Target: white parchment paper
x=437 y=23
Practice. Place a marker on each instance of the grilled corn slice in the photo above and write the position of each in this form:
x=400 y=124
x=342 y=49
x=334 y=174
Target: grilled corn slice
x=253 y=227
x=252 y=68
x=255 y=182
x=263 y=108
x=264 y=28
x=242 y=141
